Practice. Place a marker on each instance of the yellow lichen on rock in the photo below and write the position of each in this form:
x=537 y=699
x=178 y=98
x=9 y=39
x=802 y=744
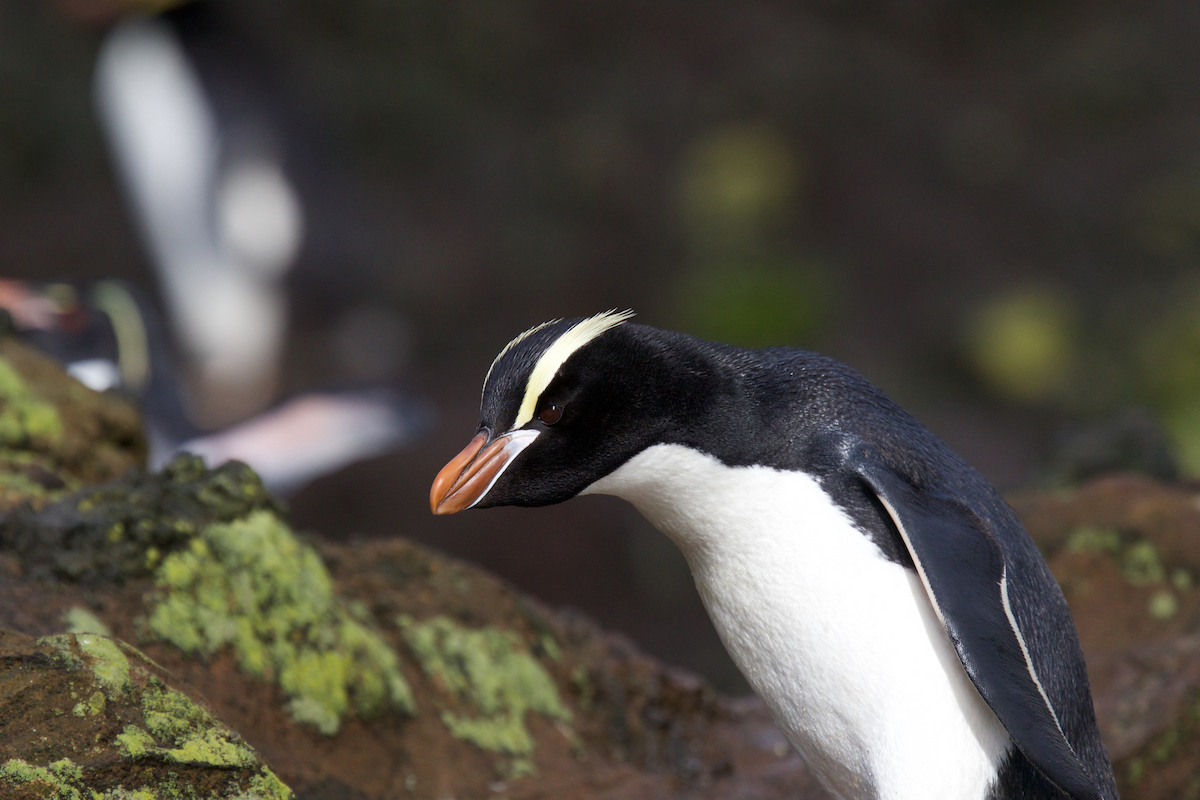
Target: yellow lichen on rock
x=253 y=586
x=489 y=670
x=24 y=418
x=127 y=716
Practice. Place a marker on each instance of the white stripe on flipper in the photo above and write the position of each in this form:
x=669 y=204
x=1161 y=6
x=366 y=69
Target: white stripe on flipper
x=916 y=561
x=556 y=355
x=1012 y=622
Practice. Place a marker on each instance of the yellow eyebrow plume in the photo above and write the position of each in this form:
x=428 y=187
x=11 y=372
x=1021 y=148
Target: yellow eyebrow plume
x=556 y=355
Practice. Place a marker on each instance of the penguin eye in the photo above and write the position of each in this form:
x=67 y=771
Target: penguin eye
x=551 y=414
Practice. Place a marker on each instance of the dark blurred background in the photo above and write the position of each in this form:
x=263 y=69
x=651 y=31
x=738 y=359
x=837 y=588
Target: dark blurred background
x=991 y=209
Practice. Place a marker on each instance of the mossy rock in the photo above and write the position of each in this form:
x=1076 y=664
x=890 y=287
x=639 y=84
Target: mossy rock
x=124 y=529
x=55 y=433
x=228 y=573
x=89 y=717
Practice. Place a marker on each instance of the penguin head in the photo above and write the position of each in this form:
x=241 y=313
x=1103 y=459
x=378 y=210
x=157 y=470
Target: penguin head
x=564 y=404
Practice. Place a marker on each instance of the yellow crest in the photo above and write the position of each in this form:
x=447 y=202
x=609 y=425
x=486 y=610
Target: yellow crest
x=556 y=355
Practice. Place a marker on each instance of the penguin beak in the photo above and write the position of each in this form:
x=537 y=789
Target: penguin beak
x=471 y=474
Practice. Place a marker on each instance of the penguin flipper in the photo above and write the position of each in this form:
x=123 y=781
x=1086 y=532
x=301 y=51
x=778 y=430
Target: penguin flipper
x=963 y=569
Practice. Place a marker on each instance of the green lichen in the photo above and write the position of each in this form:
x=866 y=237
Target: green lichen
x=135 y=743
x=1141 y=565
x=550 y=647
x=266 y=786
x=65 y=780
x=488 y=669
x=62 y=778
x=1163 y=605
x=121 y=793
x=253 y=586
x=213 y=749
x=172 y=716
x=79 y=620
x=196 y=737
x=166 y=732
x=21 y=485
x=24 y=419
x=583 y=687
x=64 y=655
x=191 y=734
x=122 y=530
x=109 y=664
x=1088 y=539
x=93 y=706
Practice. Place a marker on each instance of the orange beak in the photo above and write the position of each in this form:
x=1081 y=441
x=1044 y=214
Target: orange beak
x=467 y=478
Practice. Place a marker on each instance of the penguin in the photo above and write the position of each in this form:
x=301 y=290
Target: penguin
x=251 y=222
x=876 y=591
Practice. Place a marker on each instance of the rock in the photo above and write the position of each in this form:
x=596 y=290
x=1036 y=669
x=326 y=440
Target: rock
x=55 y=433
x=87 y=716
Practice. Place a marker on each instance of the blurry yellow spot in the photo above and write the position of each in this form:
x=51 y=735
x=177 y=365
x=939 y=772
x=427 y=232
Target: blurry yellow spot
x=1181 y=579
x=1141 y=565
x=1022 y=344
x=1169 y=353
x=1163 y=605
x=735 y=181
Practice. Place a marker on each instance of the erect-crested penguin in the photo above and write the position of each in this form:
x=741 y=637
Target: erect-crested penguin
x=875 y=590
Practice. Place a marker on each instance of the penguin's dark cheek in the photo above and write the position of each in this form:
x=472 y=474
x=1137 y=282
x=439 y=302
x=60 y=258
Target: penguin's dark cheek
x=549 y=472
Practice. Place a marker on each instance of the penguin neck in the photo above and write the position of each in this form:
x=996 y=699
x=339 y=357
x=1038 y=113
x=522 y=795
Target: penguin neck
x=672 y=486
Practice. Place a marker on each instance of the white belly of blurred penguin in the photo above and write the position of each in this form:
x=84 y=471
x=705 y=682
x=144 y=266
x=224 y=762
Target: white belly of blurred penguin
x=842 y=644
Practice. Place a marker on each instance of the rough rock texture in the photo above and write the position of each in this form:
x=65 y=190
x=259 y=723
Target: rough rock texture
x=384 y=670
x=55 y=433
x=87 y=716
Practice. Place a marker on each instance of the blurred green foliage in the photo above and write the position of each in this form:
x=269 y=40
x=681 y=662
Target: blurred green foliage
x=1022 y=344
x=1034 y=346
x=756 y=302
x=740 y=204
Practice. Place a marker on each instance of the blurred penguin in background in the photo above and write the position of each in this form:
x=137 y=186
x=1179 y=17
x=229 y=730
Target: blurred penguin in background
x=246 y=218
x=247 y=228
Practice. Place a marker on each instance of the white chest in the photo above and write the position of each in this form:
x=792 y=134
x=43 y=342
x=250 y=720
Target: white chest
x=841 y=644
